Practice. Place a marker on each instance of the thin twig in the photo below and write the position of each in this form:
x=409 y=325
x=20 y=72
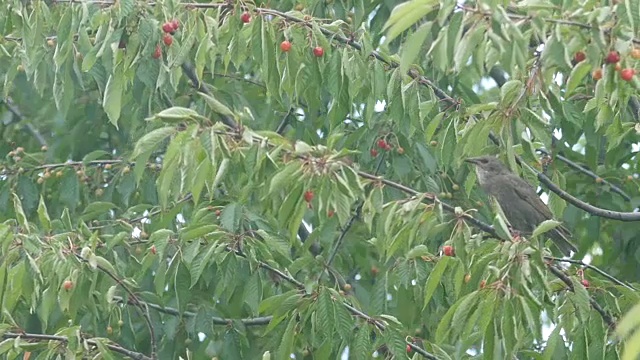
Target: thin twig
x=32 y=129
x=263 y=320
x=565 y=279
x=63 y=339
x=190 y=72
x=586 y=171
x=609 y=214
x=589 y=266
x=139 y=304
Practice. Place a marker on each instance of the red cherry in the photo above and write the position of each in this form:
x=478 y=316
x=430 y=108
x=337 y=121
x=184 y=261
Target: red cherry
x=67 y=285
x=627 y=74
x=285 y=46
x=318 y=51
x=157 y=53
x=167 y=27
x=245 y=17
x=597 y=74
x=382 y=144
x=153 y=249
x=167 y=39
x=175 y=24
x=308 y=196
x=580 y=56
x=585 y=283
x=330 y=213
x=448 y=250
x=612 y=58
x=373 y=152
x=408 y=348
x=374 y=271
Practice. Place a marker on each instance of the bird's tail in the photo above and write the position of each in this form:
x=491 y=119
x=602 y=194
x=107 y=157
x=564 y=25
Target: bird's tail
x=559 y=236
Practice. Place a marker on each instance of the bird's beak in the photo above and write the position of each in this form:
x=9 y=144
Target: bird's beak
x=471 y=160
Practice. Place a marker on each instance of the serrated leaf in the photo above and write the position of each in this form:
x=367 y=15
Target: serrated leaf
x=629 y=323
x=578 y=73
x=406 y=15
x=434 y=280
x=43 y=215
x=216 y=106
x=176 y=114
x=413 y=46
x=94 y=155
x=545 y=226
x=151 y=140
x=112 y=100
x=510 y=92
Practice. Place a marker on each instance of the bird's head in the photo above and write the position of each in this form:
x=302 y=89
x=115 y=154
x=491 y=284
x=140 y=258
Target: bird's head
x=487 y=166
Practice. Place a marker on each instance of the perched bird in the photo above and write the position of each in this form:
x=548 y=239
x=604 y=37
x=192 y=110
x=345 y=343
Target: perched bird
x=518 y=199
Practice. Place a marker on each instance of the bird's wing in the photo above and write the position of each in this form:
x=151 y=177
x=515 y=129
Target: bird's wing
x=527 y=193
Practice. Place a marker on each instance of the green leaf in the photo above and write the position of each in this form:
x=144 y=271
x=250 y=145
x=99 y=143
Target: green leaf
x=434 y=280
x=216 y=106
x=510 y=92
x=151 y=140
x=632 y=347
x=285 y=177
x=413 y=46
x=175 y=114
x=112 y=101
x=545 y=226
x=629 y=323
x=467 y=46
x=20 y=215
x=286 y=343
x=95 y=209
x=406 y=15
x=578 y=73
x=94 y=155
x=43 y=215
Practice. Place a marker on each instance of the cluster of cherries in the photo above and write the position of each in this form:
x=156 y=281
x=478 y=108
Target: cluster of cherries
x=384 y=145
x=612 y=58
x=169 y=28
x=285 y=46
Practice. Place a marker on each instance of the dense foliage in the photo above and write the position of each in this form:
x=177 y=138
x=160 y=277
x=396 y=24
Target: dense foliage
x=241 y=181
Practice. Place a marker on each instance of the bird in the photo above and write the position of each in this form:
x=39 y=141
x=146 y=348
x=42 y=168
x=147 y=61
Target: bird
x=519 y=201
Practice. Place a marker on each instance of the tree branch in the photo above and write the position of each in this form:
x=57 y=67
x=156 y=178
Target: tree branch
x=140 y=304
x=601 y=272
x=609 y=214
x=565 y=279
x=586 y=171
x=63 y=339
x=263 y=320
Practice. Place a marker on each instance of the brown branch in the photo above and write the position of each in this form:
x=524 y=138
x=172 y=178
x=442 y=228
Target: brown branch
x=609 y=214
x=263 y=320
x=63 y=339
x=565 y=279
x=589 y=266
x=586 y=171
x=189 y=71
x=18 y=114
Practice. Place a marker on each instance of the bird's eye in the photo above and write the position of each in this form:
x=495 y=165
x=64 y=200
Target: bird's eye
x=484 y=161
